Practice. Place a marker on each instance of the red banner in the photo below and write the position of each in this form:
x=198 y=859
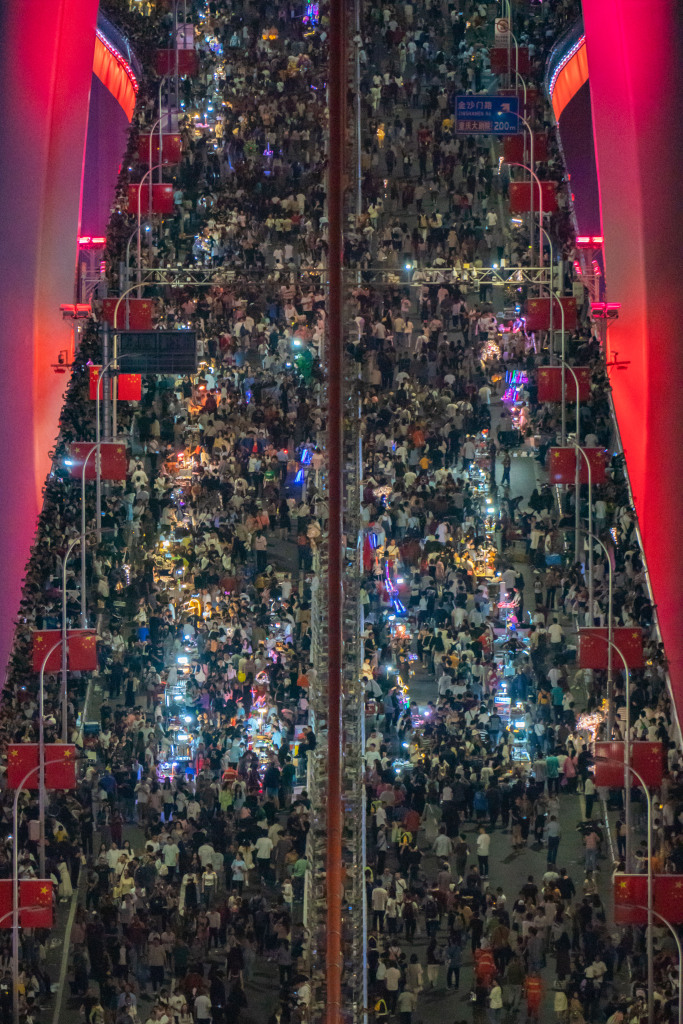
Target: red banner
x=6 y=902
x=162 y=198
x=113 y=461
x=514 y=148
x=562 y=465
x=35 y=893
x=129 y=385
x=171 y=149
x=520 y=196
x=23 y=758
x=518 y=60
x=668 y=899
x=593 y=647
x=188 y=62
x=81 y=649
x=139 y=313
x=610 y=772
x=630 y=894
x=550 y=384
x=647 y=759
x=42 y=641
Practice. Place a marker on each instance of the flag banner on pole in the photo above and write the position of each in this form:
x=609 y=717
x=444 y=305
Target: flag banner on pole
x=609 y=773
x=630 y=894
x=139 y=313
x=550 y=384
x=171 y=149
x=594 y=649
x=514 y=147
x=162 y=198
x=6 y=902
x=668 y=897
x=647 y=759
x=505 y=62
x=520 y=196
x=41 y=642
x=113 y=461
x=129 y=386
x=61 y=772
x=36 y=894
x=562 y=465
x=22 y=758
x=188 y=62
x=82 y=650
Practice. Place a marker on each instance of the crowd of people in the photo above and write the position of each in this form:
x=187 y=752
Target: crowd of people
x=186 y=837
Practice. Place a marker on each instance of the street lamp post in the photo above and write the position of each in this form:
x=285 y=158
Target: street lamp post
x=149 y=172
x=41 y=761
x=15 y=862
x=515 y=163
x=627 y=749
x=650 y=885
x=593 y=537
x=660 y=917
x=532 y=163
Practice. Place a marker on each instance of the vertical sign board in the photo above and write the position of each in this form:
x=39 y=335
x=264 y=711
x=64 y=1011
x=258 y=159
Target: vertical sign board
x=487 y=115
x=502 y=32
x=163 y=352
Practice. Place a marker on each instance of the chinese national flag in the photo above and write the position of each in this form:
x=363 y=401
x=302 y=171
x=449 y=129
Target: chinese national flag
x=82 y=645
x=519 y=60
x=538 y=319
x=43 y=640
x=61 y=773
x=562 y=465
x=648 y=760
x=537 y=314
x=6 y=901
x=129 y=387
x=513 y=148
x=162 y=198
x=113 y=462
x=188 y=62
x=94 y=381
x=35 y=893
x=630 y=893
x=170 y=149
x=610 y=772
x=520 y=196
x=139 y=313
x=668 y=897
x=550 y=384
x=593 y=647
x=22 y=758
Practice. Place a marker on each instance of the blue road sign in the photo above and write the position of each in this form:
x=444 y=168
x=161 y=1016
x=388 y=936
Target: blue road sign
x=482 y=114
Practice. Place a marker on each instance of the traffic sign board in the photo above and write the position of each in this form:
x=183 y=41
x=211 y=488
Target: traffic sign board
x=483 y=114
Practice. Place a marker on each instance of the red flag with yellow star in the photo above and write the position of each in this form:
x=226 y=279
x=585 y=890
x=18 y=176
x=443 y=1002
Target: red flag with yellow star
x=22 y=758
x=648 y=760
x=82 y=650
x=35 y=903
x=593 y=647
x=669 y=897
x=139 y=310
x=6 y=895
x=60 y=766
x=42 y=641
x=630 y=894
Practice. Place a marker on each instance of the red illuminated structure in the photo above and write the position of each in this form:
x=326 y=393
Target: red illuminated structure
x=634 y=51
